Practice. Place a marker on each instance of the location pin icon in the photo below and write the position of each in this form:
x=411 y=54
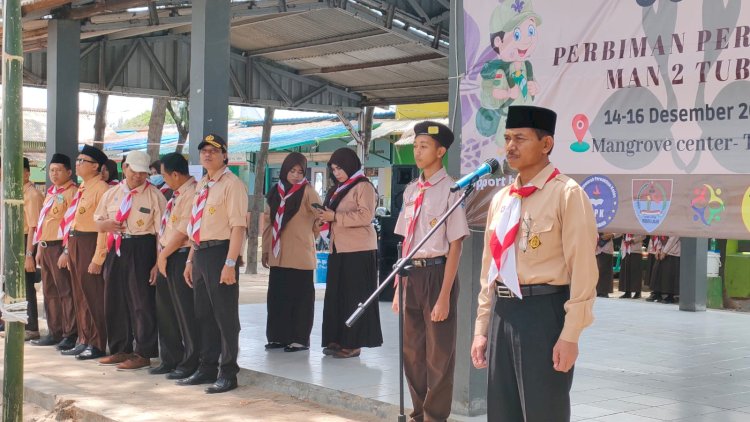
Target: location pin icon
x=580 y=127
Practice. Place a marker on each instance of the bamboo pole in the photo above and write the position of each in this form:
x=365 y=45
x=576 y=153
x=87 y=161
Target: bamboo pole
x=13 y=242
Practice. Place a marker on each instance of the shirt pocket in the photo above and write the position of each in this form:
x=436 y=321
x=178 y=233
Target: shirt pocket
x=539 y=239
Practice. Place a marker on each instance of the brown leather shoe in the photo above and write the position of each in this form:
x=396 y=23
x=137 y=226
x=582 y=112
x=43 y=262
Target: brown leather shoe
x=134 y=363
x=115 y=359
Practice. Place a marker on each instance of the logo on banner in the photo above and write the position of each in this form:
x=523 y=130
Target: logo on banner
x=580 y=127
x=604 y=198
x=746 y=209
x=707 y=204
x=651 y=200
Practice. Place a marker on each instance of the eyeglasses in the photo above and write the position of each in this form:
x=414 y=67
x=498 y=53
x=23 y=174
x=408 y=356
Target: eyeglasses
x=83 y=160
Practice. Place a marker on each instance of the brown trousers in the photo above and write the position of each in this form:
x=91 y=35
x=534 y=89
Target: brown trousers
x=58 y=292
x=429 y=347
x=88 y=291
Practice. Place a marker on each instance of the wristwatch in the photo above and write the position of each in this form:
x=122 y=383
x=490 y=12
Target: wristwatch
x=188 y=261
x=230 y=262
x=65 y=251
x=29 y=254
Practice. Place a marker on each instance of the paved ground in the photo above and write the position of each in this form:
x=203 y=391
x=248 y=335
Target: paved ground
x=639 y=362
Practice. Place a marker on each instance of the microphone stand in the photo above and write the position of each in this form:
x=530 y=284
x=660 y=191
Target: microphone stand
x=402 y=267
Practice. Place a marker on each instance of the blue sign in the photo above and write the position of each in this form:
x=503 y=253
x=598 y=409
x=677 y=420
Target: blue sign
x=604 y=198
x=651 y=201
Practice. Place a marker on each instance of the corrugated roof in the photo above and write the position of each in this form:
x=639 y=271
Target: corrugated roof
x=242 y=139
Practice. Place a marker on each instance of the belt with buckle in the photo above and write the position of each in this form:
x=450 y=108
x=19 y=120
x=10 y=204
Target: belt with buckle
x=426 y=262
x=529 y=290
x=209 y=244
x=47 y=243
x=76 y=233
x=135 y=236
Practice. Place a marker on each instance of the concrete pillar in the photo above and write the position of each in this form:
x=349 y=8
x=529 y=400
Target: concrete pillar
x=209 y=71
x=470 y=384
x=63 y=81
x=693 y=269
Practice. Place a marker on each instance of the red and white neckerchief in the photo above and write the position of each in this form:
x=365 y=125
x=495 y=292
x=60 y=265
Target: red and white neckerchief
x=627 y=244
x=279 y=218
x=409 y=239
x=122 y=215
x=502 y=242
x=164 y=189
x=170 y=207
x=196 y=214
x=113 y=182
x=52 y=192
x=325 y=229
x=67 y=222
x=658 y=243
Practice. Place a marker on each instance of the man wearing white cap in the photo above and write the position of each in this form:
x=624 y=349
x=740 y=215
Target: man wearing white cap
x=130 y=214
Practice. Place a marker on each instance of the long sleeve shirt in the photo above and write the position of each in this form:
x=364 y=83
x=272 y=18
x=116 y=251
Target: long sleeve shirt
x=560 y=215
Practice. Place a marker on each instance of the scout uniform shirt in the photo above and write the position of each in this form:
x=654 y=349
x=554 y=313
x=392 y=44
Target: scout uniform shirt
x=437 y=199
x=555 y=245
x=51 y=223
x=145 y=213
x=351 y=229
x=226 y=206
x=297 y=236
x=33 y=201
x=180 y=216
x=91 y=194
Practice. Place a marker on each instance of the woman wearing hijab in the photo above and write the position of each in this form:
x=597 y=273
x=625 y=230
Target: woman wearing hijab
x=289 y=250
x=352 y=272
x=110 y=173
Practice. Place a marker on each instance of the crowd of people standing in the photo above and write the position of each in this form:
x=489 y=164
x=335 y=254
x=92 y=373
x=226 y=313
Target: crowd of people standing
x=660 y=272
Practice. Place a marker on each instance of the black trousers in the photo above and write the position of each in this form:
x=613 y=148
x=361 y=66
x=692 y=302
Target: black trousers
x=217 y=312
x=130 y=303
x=523 y=386
x=606 y=273
x=32 y=308
x=175 y=315
x=290 y=305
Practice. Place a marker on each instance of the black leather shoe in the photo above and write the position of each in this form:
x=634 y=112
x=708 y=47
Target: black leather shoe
x=74 y=351
x=47 y=340
x=654 y=298
x=668 y=299
x=198 y=378
x=637 y=296
x=290 y=349
x=91 y=352
x=222 y=385
x=179 y=374
x=161 y=370
x=67 y=343
x=625 y=295
x=274 y=345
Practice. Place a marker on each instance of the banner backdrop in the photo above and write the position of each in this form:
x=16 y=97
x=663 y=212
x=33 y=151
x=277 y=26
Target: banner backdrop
x=653 y=103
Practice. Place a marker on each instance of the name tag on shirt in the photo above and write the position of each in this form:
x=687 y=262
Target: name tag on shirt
x=144 y=210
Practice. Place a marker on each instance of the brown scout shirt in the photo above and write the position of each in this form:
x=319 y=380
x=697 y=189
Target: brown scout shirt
x=226 y=207
x=33 y=201
x=297 y=237
x=561 y=216
x=437 y=199
x=180 y=217
x=51 y=223
x=92 y=193
x=352 y=229
x=145 y=212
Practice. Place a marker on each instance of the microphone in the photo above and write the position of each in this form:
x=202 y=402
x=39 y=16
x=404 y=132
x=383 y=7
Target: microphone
x=488 y=167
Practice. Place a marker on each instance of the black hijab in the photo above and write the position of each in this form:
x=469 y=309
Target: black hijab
x=347 y=160
x=293 y=203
